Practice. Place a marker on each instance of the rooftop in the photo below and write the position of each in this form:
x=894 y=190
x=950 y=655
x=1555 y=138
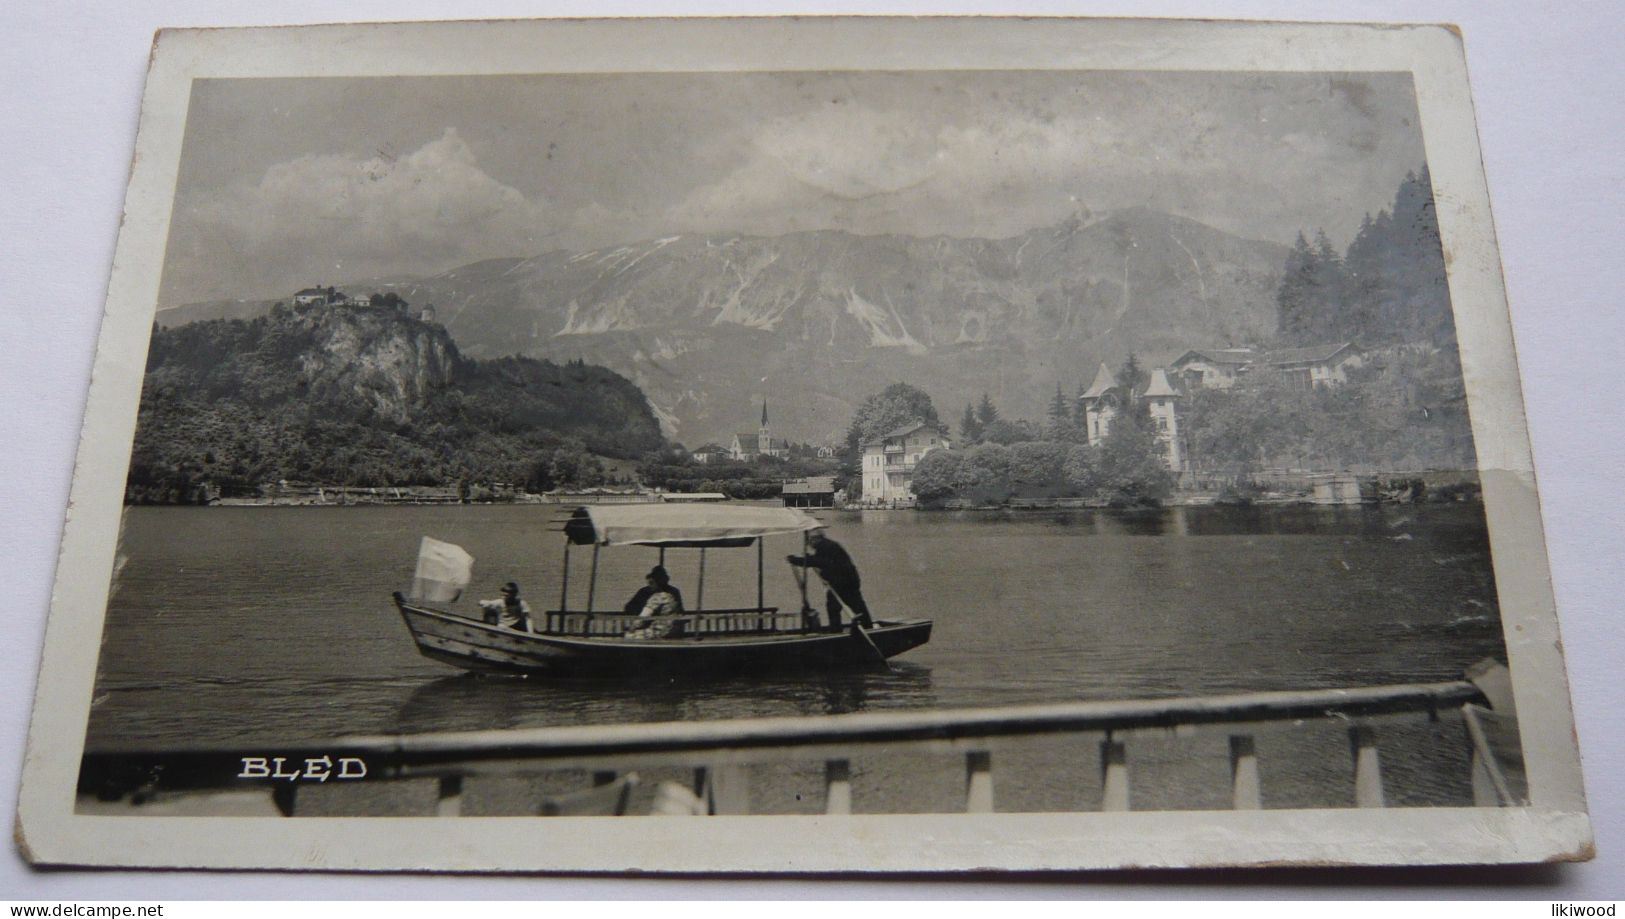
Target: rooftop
x=1159 y=385
x=903 y=431
x=1105 y=380
x=1311 y=354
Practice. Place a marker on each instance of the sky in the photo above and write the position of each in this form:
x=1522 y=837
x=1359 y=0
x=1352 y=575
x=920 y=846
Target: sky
x=286 y=183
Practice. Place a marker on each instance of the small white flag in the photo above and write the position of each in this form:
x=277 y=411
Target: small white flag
x=443 y=571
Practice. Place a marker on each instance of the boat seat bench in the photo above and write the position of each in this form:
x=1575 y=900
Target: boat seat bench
x=743 y=619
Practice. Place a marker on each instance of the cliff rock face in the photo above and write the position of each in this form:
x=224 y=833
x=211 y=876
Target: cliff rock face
x=367 y=396
x=389 y=364
x=357 y=361
x=708 y=325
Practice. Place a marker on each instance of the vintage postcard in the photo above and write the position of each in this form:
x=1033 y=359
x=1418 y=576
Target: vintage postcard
x=890 y=445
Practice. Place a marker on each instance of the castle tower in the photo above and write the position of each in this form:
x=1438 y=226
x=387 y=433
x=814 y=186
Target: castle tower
x=1160 y=398
x=1100 y=405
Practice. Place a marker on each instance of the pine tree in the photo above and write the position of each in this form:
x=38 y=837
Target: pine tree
x=1059 y=413
x=1330 y=284
x=1389 y=286
x=986 y=413
x=1294 y=301
x=970 y=427
x=1422 y=303
x=1133 y=379
x=1367 y=283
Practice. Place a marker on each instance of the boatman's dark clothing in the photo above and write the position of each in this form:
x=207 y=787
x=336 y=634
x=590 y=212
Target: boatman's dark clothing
x=640 y=599
x=837 y=570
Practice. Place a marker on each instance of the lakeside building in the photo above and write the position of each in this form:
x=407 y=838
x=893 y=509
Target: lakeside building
x=1208 y=368
x=1221 y=368
x=1104 y=400
x=889 y=461
x=763 y=443
x=1101 y=402
x=712 y=453
x=813 y=491
x=1160 y=400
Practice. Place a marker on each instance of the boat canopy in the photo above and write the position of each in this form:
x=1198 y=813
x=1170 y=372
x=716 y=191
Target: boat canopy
x=682 y=524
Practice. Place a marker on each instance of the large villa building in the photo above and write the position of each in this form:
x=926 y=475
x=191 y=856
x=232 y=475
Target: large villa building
x=1104 y=399
x=1209 y=368
x=889 y=461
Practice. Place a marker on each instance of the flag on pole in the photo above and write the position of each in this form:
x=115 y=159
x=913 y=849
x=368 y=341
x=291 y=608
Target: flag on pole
x=443 y=571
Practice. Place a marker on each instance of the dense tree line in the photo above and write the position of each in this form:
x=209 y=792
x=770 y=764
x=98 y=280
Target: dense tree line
x=1405 y=408
x=998 y=459
x=675 y=469
x=1389 y=286
x=235 y=405
x=1125 y=470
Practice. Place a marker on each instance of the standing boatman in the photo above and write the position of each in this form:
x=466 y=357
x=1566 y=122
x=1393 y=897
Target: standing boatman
x=835 y=567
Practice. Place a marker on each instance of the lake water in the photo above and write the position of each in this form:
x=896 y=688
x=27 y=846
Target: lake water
x=263 y=626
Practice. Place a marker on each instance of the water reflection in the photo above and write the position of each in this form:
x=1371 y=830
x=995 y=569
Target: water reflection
x=470 y=702
x=1030 y=606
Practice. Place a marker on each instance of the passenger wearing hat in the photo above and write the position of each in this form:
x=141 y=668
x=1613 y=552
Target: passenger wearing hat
x=657 y=597
x=510 y=611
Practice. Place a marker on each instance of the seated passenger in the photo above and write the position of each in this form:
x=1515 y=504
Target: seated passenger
x=657 y=597
x=508 y=612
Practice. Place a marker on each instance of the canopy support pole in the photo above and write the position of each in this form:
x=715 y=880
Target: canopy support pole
x=761 y=555
x=592 y=580
x=564 y=582
x=662 y=556
x=801 y=578
x=699 y=592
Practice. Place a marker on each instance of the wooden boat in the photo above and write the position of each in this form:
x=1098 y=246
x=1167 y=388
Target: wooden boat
x=591 y=641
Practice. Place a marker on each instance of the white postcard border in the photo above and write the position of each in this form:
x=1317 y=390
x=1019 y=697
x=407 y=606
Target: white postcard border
x=1553 y=827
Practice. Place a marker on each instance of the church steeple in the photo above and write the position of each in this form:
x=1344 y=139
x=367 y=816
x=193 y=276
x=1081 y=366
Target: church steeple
x=764 y=413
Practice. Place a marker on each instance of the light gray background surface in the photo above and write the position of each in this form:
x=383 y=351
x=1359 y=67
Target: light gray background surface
x=1550 y=94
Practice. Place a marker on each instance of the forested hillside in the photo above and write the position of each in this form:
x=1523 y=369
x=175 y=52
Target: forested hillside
x=1405 y=406
x=1389 y=286
x=366 y=396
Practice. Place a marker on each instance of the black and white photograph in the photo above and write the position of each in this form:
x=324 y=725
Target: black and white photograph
x=834 y=442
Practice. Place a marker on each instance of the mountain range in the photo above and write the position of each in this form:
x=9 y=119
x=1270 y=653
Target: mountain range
x=710 y=325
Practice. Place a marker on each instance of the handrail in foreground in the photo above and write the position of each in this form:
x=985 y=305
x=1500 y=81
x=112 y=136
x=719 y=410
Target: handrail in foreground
x=718 y=750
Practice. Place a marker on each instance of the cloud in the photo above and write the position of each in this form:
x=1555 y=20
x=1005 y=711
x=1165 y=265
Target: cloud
x=852 y=151
x=876 y=171
x=434 y=205
x=637 y=158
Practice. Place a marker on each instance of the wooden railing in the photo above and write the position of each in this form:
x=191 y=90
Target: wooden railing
x=719 y=752
x=749 y=620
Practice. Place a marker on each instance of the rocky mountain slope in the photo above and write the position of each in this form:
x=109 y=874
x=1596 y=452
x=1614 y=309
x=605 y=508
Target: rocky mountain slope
x=707 y=326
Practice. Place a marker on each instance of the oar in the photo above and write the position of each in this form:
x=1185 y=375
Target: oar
x=864 y=636
x=800 y=574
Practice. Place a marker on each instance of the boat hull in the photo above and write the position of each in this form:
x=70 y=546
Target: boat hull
x=478 y=646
